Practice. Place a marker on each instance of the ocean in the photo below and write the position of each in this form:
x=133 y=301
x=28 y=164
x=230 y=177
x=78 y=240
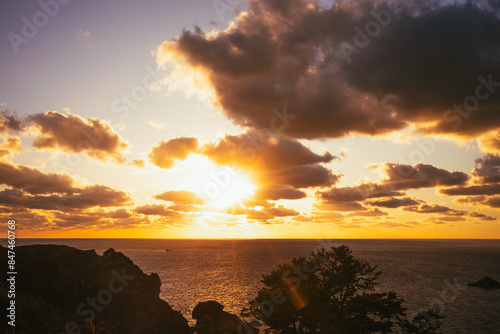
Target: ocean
x=229 y=271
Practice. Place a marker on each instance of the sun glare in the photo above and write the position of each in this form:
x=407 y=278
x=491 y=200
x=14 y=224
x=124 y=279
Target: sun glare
x=220 y=186
x=237 y=188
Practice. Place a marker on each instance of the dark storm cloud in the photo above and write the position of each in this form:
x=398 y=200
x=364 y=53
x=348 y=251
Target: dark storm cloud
x=166 y=153
x=74 y=134
x=423 y=58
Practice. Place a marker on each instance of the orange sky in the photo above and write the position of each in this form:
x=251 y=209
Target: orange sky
x=246 y=127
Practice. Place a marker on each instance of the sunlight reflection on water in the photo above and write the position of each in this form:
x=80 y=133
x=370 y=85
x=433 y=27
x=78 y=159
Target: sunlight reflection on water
x=230 y=271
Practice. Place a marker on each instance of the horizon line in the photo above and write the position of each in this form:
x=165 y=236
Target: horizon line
x=261 y=238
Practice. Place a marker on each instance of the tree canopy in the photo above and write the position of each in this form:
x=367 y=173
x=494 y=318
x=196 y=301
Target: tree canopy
x=331 y=292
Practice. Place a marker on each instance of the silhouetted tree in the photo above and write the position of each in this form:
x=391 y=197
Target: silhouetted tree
x=328 y=292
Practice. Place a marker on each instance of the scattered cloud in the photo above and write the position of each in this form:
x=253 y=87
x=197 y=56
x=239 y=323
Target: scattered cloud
x=74 y=134
x=137 y=163
x=393 y=203
x=9 y=123
x=158 y=125
x=166 y=153
x=181 y=197
x=85 y=34
x=10 y=145
x=33 y=181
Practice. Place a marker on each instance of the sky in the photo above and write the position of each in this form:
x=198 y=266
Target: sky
x=256 y=119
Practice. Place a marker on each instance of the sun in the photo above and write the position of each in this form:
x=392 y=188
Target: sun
x=235 y=188
x=220 y=187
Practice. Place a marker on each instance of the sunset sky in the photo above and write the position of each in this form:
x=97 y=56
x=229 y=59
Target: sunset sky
x=264 y=119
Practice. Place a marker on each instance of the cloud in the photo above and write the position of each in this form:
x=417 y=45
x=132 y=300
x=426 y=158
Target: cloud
x=393 y=203
x=487 y=169
x=359 y=192
x=34 y=189
x=402 y=176
x=265 y=213
x=490 y=189
x=434 y=208
x=155 y=209
x=166 y=153
x=258 y=148
x=275 y=161
x=87 y=197
x=490 y=201
x=10 y=145
x=137 y=163
x=302 y=176
x=339 y=206
x=481 y=216
x=490 y=142
x=181 y=197
x=484 y=186
x=74 y=134
x=85 y=34
x=397 y=177
x=277 y=193
x=9 y=123
x=429 y=57
x=33 y=181
x=158 y=125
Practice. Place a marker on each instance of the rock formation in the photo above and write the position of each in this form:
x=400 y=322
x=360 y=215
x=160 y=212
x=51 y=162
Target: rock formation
x=486 y=282
x=211 y=319
x=62 y=289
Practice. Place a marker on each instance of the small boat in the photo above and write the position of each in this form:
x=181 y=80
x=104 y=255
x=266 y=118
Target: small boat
x=168 y=250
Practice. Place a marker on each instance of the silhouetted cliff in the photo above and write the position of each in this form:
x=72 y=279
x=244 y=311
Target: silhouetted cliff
x=61 y=289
